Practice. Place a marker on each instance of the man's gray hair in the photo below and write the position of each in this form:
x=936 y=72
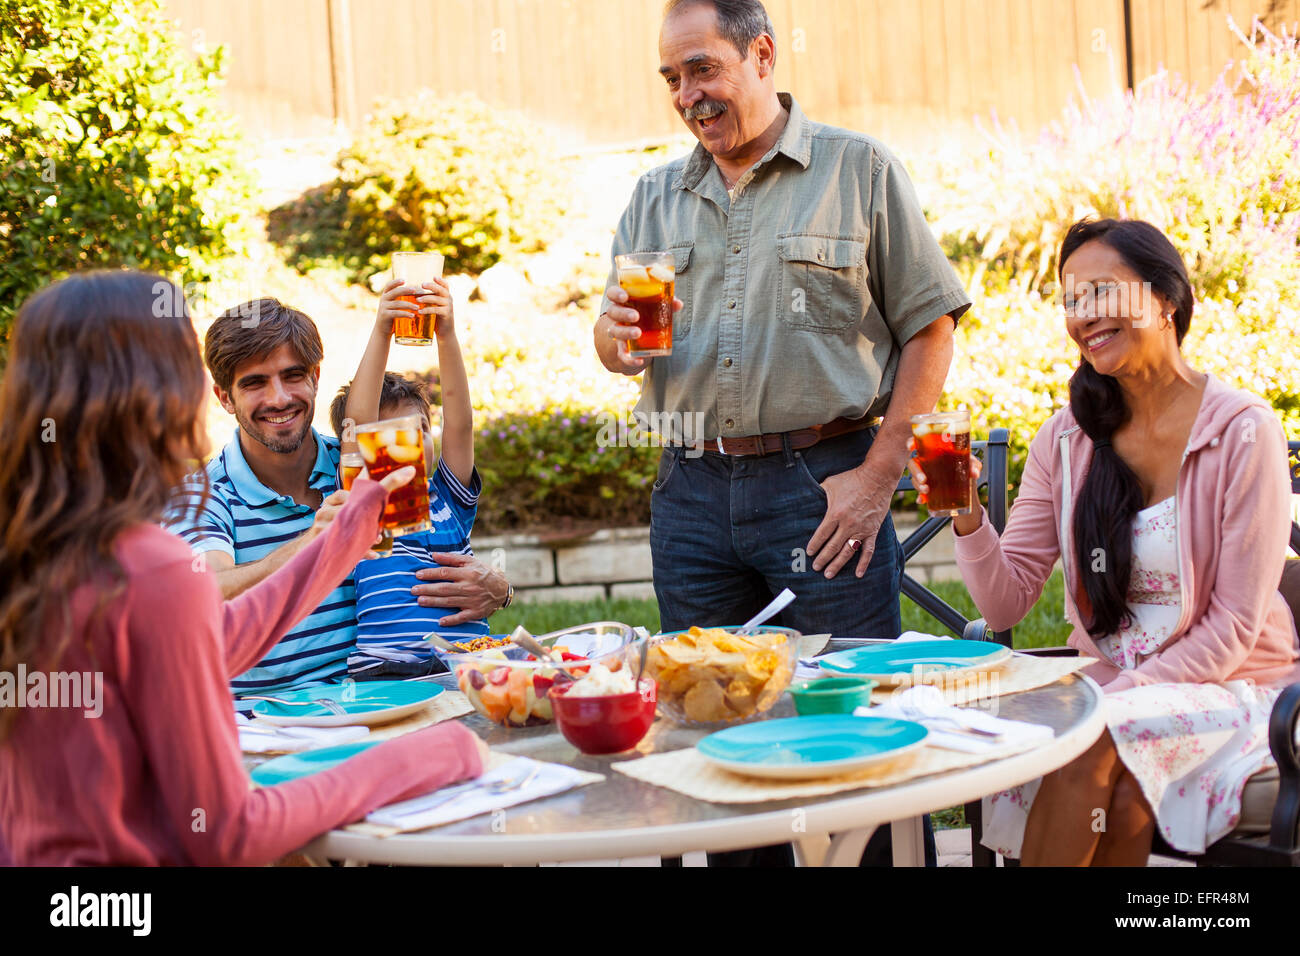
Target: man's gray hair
x=740 y=22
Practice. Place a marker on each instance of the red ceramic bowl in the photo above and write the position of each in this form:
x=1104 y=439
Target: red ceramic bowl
x=605 y=725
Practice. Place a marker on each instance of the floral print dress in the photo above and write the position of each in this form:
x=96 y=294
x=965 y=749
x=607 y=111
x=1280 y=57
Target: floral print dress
x=1191 y=747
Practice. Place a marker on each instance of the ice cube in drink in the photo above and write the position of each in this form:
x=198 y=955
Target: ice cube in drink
x=387 y=446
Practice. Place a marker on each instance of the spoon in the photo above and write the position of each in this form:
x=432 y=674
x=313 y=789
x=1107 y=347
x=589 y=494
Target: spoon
x=778 y=604
x=438 y=641
x=645 y=647
x=523 y=639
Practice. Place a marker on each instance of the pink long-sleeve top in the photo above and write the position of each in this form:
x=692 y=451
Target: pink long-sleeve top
x=1233 y=504
x=158 y=777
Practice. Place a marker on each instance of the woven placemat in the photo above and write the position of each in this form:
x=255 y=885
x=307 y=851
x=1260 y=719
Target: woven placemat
x=1021 y=672
x=448 y=705
x=688 y=773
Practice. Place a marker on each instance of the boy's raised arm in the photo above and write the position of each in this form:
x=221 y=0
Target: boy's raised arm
x=457 y=412
x=367 y=385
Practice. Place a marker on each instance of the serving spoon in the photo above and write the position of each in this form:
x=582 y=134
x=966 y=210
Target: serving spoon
x=778 y=604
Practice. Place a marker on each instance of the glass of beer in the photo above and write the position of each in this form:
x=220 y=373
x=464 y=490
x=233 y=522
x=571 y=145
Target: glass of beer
x=943 y=454
x=385 y=447
x=415 y=269
x=647 y=278
x=350 y=465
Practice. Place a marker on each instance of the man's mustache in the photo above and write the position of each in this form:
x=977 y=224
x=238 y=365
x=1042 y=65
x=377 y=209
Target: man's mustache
x=704 y=109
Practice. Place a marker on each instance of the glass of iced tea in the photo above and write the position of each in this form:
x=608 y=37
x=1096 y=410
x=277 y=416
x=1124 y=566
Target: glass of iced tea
x=647 y=278
x=385 y=447
x=943 y=453
x=415 y=268
x=350 y=465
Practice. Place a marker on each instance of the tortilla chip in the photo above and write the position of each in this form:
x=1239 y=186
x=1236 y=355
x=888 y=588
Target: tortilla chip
x=740 y=698
x=706 y=702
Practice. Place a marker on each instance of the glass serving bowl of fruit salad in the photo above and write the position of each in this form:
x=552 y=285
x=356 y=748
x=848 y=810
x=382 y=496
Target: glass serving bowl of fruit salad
x=511 y=687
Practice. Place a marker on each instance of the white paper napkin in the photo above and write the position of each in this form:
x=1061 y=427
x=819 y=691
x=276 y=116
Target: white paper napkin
x=944 y=722
x=260 y=738
x=469 y=800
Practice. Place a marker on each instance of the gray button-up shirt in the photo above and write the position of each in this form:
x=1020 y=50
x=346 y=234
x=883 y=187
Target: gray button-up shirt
x=800 y=291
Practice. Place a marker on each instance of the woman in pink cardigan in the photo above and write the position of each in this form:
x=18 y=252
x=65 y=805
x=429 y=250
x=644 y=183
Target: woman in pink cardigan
x=101 y=415
x=1166 y=497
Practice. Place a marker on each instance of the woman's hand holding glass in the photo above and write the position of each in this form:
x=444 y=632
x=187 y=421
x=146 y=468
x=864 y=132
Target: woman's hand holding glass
x=962 y=524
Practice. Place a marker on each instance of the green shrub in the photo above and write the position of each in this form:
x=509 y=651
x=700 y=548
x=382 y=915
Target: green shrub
x=558 y=464
x=430 y=172
x=112 y=147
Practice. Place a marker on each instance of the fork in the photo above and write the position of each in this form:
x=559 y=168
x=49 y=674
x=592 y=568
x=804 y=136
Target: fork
x=493 y=789
x=332 y=706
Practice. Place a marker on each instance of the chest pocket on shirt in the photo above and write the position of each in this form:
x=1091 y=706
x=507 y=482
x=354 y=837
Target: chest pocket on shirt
x=682 y=287
x=821 y=282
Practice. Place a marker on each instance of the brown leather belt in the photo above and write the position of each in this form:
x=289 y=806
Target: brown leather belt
x=753 y=445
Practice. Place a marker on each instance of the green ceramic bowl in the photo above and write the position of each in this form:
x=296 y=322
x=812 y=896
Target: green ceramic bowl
x=831 y=695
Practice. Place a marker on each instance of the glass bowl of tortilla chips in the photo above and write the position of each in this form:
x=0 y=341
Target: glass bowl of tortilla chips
x=718 y=676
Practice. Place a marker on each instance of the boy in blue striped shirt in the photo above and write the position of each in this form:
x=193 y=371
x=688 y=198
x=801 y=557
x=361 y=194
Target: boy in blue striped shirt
x=391 y=623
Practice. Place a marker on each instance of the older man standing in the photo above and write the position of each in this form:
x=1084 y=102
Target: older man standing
x=814 y=299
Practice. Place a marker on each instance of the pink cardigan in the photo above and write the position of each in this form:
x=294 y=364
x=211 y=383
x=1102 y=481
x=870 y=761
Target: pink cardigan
x=1233 y=501
x=158 y=777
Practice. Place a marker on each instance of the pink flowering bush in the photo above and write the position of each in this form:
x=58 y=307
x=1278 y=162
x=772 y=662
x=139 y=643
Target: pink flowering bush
x=1216 y=170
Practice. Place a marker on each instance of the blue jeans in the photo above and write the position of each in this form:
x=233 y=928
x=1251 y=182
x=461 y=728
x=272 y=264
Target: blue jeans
x=401 y=670
x=727 y=534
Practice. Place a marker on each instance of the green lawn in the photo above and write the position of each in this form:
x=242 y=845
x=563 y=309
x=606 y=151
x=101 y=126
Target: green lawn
x=1044 y=626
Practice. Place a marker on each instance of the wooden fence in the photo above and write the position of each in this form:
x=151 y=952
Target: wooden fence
x=588 y=67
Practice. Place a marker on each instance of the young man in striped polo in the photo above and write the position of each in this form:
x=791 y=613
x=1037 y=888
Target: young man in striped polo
x=274 y=486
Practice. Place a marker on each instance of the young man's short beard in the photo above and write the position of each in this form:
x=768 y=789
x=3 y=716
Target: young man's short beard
x=284 y=446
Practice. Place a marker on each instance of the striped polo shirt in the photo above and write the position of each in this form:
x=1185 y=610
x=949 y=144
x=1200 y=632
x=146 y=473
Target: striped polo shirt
x=390 y=622
x=247 y=520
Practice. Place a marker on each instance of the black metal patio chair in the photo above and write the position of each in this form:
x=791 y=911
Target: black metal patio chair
x=993 y=480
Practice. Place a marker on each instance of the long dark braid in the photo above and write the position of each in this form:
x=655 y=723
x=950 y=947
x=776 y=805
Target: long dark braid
x=1111 y=495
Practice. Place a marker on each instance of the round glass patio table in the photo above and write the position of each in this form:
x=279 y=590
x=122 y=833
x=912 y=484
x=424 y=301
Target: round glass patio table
x=624 y=817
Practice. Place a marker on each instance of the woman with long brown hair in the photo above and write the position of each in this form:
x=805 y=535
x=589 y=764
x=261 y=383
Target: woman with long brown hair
x=1165 y=495
x=101 y=416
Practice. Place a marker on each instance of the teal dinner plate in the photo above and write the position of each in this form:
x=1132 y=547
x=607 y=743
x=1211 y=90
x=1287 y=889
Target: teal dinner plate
x=892 y=662
x=368 y=702
x=806 y=747
x=292 y=766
